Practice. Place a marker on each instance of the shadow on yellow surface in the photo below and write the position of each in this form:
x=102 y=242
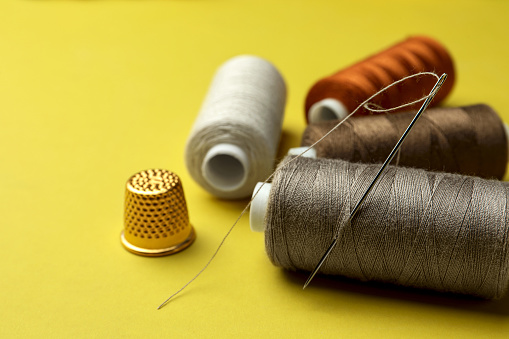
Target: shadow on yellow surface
x=402 y=294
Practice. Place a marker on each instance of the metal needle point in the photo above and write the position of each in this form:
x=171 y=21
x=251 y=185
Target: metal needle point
x=432 y=94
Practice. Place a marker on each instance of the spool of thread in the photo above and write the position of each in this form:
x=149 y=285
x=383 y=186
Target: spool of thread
x=335 y=96
x=233 y=142
x=421 y=229
x=470 y=140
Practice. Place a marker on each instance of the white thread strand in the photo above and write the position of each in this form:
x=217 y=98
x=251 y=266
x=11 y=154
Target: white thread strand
x=243 y=108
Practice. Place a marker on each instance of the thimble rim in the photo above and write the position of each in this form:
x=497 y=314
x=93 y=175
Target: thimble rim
x=159 y=252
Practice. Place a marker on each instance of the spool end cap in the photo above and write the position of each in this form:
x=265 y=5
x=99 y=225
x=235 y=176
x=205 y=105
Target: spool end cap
x=327 y=109
x=311 y=153
x=259 y=207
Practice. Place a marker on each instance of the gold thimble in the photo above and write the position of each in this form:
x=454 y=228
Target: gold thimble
x=156 y=221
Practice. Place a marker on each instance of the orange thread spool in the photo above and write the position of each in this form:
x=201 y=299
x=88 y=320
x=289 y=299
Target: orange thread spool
x=353 y=85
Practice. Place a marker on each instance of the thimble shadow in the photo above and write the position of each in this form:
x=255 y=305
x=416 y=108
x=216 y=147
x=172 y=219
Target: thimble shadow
x=407 y=294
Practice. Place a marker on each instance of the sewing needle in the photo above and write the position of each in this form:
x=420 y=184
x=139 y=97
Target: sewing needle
x=432 y=94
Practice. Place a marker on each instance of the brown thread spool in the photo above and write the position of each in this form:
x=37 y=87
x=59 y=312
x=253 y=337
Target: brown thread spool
x=337 y=95
x=469 y=140
x=420 y=229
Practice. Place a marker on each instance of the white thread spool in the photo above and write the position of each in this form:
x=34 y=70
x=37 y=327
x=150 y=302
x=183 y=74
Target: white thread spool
x=233 y=142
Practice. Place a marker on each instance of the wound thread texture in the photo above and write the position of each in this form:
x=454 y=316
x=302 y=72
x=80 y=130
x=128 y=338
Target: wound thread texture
x=467 y=140
x=421 y=229
x=244 y=107
x=354 y=84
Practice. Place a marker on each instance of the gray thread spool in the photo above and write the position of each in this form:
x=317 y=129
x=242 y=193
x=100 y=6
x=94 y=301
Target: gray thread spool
x=233 y=142
x=421 y=229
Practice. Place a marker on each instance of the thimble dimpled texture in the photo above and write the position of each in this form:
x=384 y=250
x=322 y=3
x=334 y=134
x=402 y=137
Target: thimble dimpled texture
x=156 y=217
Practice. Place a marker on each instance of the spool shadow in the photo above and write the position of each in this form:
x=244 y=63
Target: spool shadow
x=236 y=205
x=387 y=291
x=288 y=140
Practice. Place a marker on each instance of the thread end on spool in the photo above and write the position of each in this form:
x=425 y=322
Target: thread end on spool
x=225 y=167
x=327 y=109
x=259 y=207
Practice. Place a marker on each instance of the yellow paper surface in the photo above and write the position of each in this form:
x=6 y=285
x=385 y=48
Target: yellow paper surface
x=93 y=91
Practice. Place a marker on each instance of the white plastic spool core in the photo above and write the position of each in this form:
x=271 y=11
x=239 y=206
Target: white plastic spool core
x=261 y=201
x=225 y=167
x=259 y=207
x=327 y=109
x=311 y=153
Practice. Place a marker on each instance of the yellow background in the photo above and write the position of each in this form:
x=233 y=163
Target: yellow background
x=93 y=91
